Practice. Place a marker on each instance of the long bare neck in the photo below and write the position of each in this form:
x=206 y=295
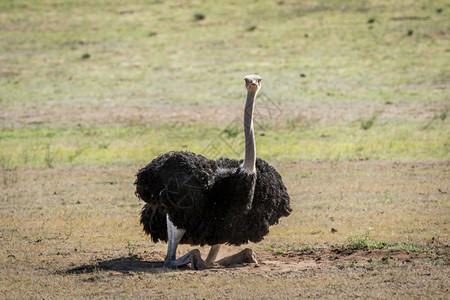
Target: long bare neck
x=250 y=147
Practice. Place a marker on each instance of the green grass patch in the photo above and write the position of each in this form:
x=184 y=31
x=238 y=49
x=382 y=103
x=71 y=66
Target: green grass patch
x=363 y=241
x=72 y=55
x=50 y=146
x=314 y=51
x=297 y=249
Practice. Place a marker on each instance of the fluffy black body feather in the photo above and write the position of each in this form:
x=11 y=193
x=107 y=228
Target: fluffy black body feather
x=215 y=201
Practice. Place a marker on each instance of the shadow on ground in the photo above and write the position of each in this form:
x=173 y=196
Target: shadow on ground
x=123 y=265
x=126 y=265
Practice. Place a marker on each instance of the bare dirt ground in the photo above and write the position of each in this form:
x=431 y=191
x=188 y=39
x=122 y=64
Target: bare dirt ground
x=270 y=261
x=112 y=112
x=377 y=273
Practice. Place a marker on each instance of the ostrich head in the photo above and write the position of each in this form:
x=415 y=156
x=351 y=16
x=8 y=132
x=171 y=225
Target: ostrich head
x=252 y=83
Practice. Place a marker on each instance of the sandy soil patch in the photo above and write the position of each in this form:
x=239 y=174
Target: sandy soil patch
x=273 y=262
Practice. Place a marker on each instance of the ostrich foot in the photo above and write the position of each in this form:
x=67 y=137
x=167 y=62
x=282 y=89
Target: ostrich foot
x=245 y=256
x=193 y=257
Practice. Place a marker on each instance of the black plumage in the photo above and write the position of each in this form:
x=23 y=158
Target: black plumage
x=215 y=201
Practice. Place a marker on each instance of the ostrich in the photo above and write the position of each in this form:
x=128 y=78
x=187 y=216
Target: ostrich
x=193 y=200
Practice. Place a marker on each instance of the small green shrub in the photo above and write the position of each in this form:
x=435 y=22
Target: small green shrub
x=231 y=132
x=359 y=242
x=366 y=124
x=443 y=114
x=9 y=172
x=49 y=157
x=199 y=16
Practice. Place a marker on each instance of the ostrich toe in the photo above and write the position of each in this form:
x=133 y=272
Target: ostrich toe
x=244 y=257
x=193 y=258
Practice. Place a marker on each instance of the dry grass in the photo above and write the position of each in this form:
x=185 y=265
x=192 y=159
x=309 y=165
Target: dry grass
x=396 y=202
x=55 y=220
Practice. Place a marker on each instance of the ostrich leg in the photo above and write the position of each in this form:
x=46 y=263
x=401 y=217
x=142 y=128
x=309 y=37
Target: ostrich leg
x=193 y=257
x=212 y=255
x=245 y=256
